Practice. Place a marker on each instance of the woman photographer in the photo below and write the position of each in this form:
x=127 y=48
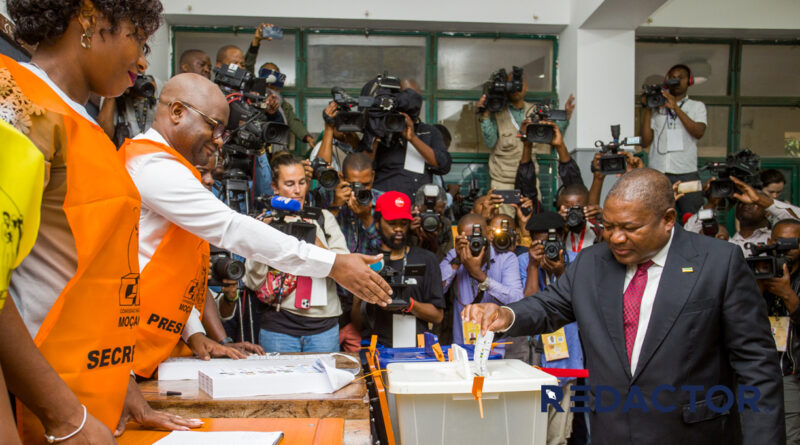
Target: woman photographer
x=79 y=278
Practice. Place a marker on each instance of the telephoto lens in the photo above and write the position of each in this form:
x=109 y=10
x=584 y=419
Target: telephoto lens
x=575 y=218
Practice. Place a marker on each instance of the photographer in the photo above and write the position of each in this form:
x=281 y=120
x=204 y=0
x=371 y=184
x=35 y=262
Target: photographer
x=772 y=183
x=405 y=163
x=598 y=177
x=296 y=325
x=783 y=306
x=672 y=130
x=424 y=302
x=480 y=273
x=195 y=61
x=179 y=211
x=776 y=210
x=132 y=113
x=501 y=133
x=335 y=145
x=572 y=202
x=430 y=229
x=539 y=268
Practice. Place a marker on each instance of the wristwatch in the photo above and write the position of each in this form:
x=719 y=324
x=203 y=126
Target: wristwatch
x=226 y=340
x=485 y=285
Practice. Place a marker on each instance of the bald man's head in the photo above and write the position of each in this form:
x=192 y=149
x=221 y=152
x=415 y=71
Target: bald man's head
x=647 y=186
x=190 y=111
x=467 y=221
x=230 y=54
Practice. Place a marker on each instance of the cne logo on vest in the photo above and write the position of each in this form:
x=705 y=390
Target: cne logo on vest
x=129 y=287
x=195 y=294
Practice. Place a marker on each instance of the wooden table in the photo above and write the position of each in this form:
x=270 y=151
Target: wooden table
x=350 y=402
x=295 y=431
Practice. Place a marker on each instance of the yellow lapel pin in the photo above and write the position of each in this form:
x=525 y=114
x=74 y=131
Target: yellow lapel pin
x=687 y=270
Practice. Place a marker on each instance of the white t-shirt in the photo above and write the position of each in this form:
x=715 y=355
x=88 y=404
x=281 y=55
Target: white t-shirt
x=673 y=149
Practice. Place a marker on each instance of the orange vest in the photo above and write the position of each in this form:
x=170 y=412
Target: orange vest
x=88 y=336
x=172 y=282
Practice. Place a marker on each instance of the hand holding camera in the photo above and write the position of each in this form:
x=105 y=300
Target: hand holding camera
x=524 y=210
x=749 y=195
x=329 y=116
x=470 y=250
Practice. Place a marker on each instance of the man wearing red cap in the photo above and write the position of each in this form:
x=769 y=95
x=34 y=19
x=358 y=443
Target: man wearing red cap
x=417 y=304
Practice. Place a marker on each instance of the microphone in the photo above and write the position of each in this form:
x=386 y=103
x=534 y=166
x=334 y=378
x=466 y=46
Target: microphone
x=285 y=204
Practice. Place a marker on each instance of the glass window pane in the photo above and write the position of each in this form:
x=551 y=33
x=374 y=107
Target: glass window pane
x=463 y=173
x=280 y=52
x=770 y=70
x=349 y=61
x=466 y=63
x=461 y=120
x=771 y=131
x=709 y=64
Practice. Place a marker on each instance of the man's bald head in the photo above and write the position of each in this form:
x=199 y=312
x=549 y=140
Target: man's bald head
x=230 y=54
x=190 y=107
x=467 y=221
x=410 y=84
x=647 y=186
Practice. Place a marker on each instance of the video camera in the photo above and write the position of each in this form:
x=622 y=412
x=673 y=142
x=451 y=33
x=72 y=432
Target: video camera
x=498 y=88
x=543 y=133
x=476 y=240
x=575 y=219
x=744 y=165
x=612 y=162
x=280 y=207
x=771 y=264
x=709 y=221
x=504 y=239
x=224 y=267
x=346 y=120
x=553 y=245
x=398 y=281
x=324 y=174
x=652 y=93
x=430 y=219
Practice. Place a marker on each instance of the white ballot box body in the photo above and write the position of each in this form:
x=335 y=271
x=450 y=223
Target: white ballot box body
x=435 y=405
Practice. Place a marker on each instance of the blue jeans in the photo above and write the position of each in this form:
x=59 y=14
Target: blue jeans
x=262 y=177
x=327 y=341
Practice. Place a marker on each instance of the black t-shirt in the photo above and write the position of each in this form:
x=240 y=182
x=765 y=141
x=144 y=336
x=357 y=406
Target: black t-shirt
x=429 y=290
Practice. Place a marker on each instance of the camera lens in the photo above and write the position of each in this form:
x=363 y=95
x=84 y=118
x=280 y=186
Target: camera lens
x=575 y=218
x=430 y=223
x=274 y=132
x=226 y=268
x=502 y=241
x=327 y=178
x=363 y=197
x=394 y=123
x=551 y=251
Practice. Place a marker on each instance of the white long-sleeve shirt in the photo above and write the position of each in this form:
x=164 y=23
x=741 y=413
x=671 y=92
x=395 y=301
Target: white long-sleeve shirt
x=171 y=194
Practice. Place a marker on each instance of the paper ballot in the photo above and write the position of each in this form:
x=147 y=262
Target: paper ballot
x=218 y=437
x=483 y=346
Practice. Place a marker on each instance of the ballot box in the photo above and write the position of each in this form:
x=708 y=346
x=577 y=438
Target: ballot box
x=388 y=356
x=434 y=404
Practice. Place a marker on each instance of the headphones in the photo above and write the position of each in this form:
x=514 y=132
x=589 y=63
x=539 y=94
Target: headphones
x=684 y=67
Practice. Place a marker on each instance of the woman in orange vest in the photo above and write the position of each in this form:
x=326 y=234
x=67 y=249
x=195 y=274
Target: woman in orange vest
x=77 y=289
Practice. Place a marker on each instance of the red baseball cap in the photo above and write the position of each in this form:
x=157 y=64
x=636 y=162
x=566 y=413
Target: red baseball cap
x=394 y=205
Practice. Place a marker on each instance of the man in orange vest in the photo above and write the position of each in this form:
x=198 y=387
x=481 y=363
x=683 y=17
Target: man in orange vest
x=179 y=218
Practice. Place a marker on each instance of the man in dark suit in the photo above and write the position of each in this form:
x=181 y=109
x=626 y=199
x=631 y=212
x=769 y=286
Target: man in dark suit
x=655 y=306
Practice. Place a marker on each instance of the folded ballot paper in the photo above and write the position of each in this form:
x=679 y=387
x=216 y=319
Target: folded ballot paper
x=272 y=378
x=218 y=437
x=186 y=368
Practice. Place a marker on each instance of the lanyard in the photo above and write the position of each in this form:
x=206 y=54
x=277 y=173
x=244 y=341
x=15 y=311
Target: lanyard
x=580 y=244
x=514 y=121
x=673 y=115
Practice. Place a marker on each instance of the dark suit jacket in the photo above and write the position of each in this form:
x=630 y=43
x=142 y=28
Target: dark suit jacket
x=708 y=326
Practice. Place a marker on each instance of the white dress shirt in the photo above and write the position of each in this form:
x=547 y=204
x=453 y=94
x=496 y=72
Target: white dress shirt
x=760 y=235
x=648 y=297
x=171 y=194
x=679 y=161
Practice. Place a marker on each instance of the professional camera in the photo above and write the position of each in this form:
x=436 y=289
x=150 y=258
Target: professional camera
x=380 y=102
x=612 y=162
x=543 y=133
x=288 y=216
x=398 y=280
x=652 y=93
x=744 y=165
x=771 y=264
x=144 y=86
x=324 y=174
x=430 y=219
x=346 y=120
x=224 y=267
x=362 y=193
x=504 y=239
x=709 y=221
x=576 y=219
x=498 y=88
x=553 y=245
x=476 y=241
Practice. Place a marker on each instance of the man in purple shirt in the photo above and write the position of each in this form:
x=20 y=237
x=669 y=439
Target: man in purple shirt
x=486 y=277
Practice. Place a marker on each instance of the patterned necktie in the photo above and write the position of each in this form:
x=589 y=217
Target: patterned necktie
x=631 y=303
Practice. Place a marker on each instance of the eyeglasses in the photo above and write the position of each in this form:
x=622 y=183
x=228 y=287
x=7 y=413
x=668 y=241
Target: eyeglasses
x=217 y=127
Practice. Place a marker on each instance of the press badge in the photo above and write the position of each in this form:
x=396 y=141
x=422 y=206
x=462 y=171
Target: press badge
x=674 y=139
x=555 y=345
x=780 y=331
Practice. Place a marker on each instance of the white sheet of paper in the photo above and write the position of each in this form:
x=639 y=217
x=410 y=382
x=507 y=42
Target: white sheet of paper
x=319 y=292
x=217 y=437
x=674 y=139
x=483 y=347
x=404 y=331
x=414 y=161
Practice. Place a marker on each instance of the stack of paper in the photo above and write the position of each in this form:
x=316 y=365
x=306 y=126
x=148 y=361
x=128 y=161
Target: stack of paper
x=186 y=368
x=218 y=437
